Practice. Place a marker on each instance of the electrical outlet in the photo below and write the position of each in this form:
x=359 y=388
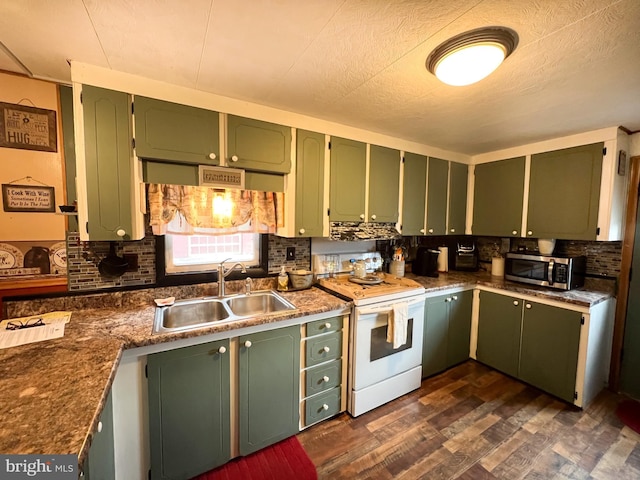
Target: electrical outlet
x=291 y=253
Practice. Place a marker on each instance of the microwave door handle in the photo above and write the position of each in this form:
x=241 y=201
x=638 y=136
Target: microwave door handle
x=550 y=272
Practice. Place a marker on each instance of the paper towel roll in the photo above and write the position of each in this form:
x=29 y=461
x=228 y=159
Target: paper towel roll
x=443 y=259
x=497 y=267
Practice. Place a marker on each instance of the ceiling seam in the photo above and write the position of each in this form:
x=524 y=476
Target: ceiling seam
x=10 y=54
x=204 y=42
x=96 y=32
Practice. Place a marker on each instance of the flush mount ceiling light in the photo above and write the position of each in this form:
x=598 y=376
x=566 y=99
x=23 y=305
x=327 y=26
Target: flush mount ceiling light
x=469 y=57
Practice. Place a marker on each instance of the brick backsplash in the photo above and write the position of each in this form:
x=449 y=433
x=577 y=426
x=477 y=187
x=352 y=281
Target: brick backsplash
x=83 y=259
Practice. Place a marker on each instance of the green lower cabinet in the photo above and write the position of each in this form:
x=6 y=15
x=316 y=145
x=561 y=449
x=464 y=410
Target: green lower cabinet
x=100 y=462
x=447 y=331
x=499 y=328
x=269 y=387
x=189 y=419
x=549 y=351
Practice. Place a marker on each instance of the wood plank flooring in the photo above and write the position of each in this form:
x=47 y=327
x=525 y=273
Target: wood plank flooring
x=473 y=423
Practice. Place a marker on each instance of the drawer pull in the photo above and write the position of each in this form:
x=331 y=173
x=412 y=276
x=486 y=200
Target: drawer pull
x=234 y=158
x=222 y=350
x=302 y=231
x=99 y=427
x=325 y=379
x=455 y=297
x=327 y=325
x=212 y=156
x=248 y=343
x=515 y=302
x=514 y=232
x=326 y=349
x=325 y=406
x=528 y=305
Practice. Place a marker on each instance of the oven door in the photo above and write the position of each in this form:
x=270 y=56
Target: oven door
x=373 y=358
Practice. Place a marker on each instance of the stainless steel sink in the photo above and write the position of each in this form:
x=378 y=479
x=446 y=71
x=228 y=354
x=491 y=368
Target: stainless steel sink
x=203 y=312
x=257 y=303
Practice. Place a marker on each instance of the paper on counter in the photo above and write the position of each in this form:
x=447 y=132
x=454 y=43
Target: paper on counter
x=53 y=327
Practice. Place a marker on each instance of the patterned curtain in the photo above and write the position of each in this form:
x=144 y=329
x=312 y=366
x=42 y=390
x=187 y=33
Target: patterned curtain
x=223 y=210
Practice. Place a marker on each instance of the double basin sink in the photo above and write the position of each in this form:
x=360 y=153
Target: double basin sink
x=204 y=312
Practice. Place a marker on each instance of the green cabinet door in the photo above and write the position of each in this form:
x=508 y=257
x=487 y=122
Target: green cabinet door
x=348 y=180
x=549 y=352
x=499 y=326
x=178 y=133
x=414 y=191
x=436 y=327
x=497 y=198
x=269 y=387
x=459 y=336
x=458 y=173
x=257 y=145
x=564 y=193
x=309 y=184
x=384 y=184
x=437 y=182
x=189 y=410
x=100 y=462
x=109 y=163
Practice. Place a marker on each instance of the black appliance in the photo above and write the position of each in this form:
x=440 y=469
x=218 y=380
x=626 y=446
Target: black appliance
x=465 y=256
x=426 y=262
x=563 y=273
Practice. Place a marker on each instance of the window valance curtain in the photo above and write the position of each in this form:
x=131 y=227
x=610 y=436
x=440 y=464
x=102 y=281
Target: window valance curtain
x=217 y=210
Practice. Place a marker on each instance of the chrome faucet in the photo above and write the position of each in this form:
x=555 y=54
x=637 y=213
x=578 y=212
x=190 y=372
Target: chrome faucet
x=222 y=273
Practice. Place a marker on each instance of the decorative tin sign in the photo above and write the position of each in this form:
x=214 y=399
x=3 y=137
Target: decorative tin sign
x=27 y=198
x=28 y=128
x=220 y=177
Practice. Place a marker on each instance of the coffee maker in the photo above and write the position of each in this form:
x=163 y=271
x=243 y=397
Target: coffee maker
x=426 y=262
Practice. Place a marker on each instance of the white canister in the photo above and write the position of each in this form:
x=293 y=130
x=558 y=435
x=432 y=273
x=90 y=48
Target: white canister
x=396 y=267
x=497 y=267
x=443 y=259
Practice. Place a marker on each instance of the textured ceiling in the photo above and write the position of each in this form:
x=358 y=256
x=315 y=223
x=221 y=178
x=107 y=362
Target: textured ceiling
x=360 y=63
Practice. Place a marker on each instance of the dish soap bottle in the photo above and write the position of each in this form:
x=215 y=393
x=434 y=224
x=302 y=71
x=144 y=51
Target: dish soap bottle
x=283 y=280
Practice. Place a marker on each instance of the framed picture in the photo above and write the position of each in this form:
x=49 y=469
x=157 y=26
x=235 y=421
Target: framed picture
x=28 y=128
x=28 y=198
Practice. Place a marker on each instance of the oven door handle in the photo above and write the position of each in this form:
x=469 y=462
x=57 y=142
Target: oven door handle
x=387 y=307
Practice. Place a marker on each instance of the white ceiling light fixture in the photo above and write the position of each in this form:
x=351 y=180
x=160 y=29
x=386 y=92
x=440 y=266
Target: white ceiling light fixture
x=471 y=56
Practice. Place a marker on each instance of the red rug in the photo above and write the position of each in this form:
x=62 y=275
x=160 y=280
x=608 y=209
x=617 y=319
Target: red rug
x=628 y=412
x=285 y=460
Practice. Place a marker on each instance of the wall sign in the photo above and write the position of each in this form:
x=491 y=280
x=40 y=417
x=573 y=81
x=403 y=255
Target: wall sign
x=28 y=128
x=27 y=198
x=220 y=177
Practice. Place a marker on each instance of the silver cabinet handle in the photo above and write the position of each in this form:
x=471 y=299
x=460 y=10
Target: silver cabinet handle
x=248 y=343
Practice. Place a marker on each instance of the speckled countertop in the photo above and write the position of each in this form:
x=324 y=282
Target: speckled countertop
x=52 y=392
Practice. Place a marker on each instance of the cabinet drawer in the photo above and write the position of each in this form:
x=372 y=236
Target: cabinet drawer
x=323 y=348
x=322 y=406
x=325 y=325
x=323 y=377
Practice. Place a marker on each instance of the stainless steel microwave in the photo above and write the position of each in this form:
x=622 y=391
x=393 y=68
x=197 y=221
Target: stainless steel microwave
x=563 y=273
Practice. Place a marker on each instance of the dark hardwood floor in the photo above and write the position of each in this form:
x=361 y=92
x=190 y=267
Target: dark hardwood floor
x=474 y=423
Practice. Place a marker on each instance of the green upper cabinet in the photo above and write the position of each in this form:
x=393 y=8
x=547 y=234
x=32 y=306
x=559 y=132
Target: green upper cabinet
x=108 y=158
x=189 y=416
x=177 y=133
x=309 y=204
x=414 y=190
x=458 y=173
x=437 y=180
x=348 y=180
x=549 y=351
x=384 y=184
x=497 y=198
x=564 y=193
x=269 y=387
x=257 y=145
x=499 y=329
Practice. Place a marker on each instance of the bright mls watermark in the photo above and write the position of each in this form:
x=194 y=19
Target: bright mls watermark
x=46 y=467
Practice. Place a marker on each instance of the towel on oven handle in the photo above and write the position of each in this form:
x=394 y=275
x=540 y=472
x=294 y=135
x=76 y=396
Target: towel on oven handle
x=397 y=324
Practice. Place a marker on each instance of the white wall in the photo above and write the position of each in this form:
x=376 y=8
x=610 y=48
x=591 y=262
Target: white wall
x=634 y=145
